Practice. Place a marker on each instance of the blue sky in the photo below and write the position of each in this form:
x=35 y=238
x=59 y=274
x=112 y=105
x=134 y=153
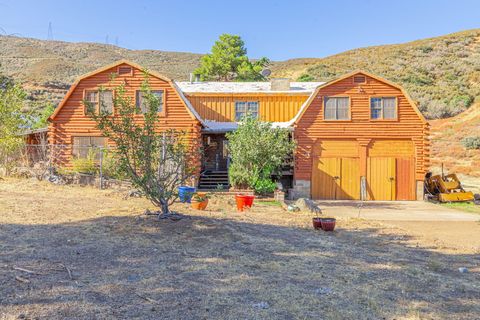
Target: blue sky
x=276 y=29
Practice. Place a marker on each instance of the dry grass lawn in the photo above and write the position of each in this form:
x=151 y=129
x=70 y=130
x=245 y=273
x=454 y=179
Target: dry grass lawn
x=95 y=256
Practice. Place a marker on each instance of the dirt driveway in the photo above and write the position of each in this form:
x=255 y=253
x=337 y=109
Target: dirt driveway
x=433 y=224
x=68 y=252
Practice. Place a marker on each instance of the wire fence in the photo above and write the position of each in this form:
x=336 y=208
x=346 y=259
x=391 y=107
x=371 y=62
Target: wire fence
x=93 y=165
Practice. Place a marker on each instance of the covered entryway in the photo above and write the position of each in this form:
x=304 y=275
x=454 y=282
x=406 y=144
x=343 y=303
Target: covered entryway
x=391 y=170
x=336 y=171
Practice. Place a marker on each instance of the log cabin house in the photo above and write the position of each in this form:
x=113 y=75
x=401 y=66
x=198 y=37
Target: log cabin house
x=358 y=136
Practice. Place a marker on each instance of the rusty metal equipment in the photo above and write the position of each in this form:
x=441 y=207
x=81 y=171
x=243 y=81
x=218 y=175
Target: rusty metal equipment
x=446 y=188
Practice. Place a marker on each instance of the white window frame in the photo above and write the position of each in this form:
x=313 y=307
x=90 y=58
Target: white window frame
x=325 y=100
x=382 y=108
x=247 y=105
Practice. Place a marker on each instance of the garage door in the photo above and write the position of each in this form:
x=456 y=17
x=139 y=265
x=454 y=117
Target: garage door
x=391 y=170
x=336 y=178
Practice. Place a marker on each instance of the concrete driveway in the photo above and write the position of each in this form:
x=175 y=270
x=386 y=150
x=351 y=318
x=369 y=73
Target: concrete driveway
x=393 y=211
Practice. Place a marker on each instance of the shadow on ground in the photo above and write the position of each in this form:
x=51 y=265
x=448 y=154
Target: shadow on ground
x=214 y=268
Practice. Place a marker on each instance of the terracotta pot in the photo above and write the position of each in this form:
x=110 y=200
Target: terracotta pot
x=244 y=201
x=328 y=224
x=199 y=205
x=317 y=223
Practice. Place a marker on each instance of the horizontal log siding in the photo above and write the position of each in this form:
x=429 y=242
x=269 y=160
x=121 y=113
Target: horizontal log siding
x=312 y=128
x=71 y=120
x=272 y=107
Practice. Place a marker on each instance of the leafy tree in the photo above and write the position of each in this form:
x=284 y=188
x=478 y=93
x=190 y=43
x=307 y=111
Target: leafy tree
x=42 y=120
x=306 y=78
x=257 y=150
x=155 y=161
x=228 y=61
x=12 y=121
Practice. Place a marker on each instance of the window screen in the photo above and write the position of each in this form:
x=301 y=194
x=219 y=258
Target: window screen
x=82 y=146
x=337 y=108
x=106 y=101
x=142 y=103
x=242 y=108
x=383 y=108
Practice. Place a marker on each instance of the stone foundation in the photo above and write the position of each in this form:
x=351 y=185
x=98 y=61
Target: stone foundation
x=301 y=189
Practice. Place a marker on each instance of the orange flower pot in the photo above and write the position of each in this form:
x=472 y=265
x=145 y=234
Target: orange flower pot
x=244 y=201
x=199 y=205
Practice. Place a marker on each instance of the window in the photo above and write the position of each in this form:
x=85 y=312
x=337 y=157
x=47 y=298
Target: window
x=359 y=79
x=337 y=108
x=106 y=101
x=91 y=99
x=124 y=70
x=243 y=108
x=383 y=108
x=82 y=146
x=142 y=103
x=97 y=101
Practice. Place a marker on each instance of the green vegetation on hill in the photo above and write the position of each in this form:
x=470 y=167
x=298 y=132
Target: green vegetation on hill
x=442 y=73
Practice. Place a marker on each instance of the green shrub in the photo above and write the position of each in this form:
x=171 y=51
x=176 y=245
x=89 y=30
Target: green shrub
x=471 y=142
x=111 y=167
x=257 y=150
x=239 y=177
x=85 y=165
x=264 y=186
x=305 y=78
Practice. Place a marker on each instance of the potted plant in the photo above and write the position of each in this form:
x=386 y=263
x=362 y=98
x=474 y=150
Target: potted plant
x=199 y=200
x=328 y=224
x=244 y=201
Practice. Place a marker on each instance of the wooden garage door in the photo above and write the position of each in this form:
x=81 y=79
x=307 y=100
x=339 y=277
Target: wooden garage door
x=381 y=178
x=405 y=179
x=390 y=178
x=336 y=178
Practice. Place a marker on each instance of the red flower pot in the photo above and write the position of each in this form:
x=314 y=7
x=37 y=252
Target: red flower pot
x=317 y=223
x=328 y=224
x=244 y=201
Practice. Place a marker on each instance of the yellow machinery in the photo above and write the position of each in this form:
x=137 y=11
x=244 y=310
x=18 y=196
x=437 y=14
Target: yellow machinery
x=447 y=188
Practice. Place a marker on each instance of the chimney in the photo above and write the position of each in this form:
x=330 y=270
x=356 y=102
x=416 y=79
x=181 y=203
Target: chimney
x=280 y=84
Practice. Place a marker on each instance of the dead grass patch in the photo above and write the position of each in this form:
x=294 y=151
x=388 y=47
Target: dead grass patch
x=215 y=264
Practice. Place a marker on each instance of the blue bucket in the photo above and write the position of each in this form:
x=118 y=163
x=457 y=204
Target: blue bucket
x=185 y=193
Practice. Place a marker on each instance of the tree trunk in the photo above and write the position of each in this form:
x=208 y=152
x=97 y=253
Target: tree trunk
x=164 y=208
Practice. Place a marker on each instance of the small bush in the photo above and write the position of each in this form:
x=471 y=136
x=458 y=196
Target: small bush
x=239 y=176
x=264 y=186
x=471 y=142
x=306 y=78
x=85 y=165
x=110 y=167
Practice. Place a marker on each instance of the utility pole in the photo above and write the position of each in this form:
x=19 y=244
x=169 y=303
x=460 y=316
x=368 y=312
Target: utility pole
x=50 y=31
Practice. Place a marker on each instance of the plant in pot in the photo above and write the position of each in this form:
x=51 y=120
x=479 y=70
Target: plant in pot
x=199 y=200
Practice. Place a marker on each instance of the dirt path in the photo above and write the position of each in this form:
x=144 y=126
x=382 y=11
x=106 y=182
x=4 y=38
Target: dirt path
x=89 y=254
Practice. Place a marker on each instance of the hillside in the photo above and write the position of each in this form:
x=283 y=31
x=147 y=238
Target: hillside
x=47 y=68
x=442 y=73
x=446 y=136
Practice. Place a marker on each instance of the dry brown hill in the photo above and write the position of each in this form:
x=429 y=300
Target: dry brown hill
x=47 y=68
x=447 y=147
x=442 y=73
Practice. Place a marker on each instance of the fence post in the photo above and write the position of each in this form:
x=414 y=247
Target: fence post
x=101 y=168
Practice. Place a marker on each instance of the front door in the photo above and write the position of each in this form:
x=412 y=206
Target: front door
x=214 y=155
